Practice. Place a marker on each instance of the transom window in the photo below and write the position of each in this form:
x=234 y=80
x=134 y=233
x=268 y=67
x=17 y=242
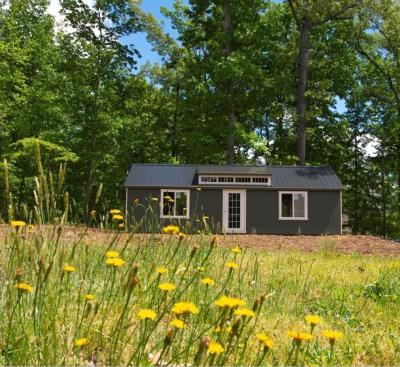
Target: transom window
x=293 y=205
x=174 y=203
x=248 y=180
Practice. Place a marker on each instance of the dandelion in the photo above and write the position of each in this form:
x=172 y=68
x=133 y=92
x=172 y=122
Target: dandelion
x=145 y=313
x=115 y=211
x=182 y=235
x=115 y=261
x=93 y=213
x=231 y=265
x=236 y=250
x=332 y=336
x=167 y=287
x=161 y=270
x=154 y=199
x=201 y=269
x=112 y=253
x=208 y=281
x=313 y=320
x=167 y=197
x=68 y=268
x=81 y=342
x=17 y=223
x=121 y=226
x=24 y=287
x=299 y=336
x=229 y=302
x=171 y=229
x=215 y=348
x=179 y=324
x=118 y=217
x=185 y=308
x=265 y=340
x=245 y=312
x=90 y=297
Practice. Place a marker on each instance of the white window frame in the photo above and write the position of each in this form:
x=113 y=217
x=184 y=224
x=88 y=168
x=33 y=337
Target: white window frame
x=305 y=193
x=187 y=192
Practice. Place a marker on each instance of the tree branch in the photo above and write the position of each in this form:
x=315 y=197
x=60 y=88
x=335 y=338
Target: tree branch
x=337 y=15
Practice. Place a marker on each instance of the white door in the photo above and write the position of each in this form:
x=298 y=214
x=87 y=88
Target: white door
x=234 y=211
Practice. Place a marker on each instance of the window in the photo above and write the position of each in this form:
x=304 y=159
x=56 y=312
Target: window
x=175 y=203
x=225 y=179
x=208 y=179
x=243 y=179
x=235 y=180
x=260 y=180
x=293 y=205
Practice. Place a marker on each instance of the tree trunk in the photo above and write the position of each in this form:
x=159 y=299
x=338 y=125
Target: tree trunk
x=230 y=149
x=301 y=105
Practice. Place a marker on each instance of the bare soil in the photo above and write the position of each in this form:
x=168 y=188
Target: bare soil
x=367 y=245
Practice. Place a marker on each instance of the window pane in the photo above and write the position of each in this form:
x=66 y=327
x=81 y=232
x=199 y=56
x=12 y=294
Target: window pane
x=287 y=205
x=168 y=203
x=299 y=205
x=181 y=203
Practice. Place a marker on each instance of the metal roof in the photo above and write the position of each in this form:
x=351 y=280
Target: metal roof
x=185 y=176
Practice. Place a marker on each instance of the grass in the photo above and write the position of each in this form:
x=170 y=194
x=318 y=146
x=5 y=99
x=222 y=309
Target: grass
x=354 y=294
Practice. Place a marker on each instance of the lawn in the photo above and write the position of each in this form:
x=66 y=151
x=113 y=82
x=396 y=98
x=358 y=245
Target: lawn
x=79 y=303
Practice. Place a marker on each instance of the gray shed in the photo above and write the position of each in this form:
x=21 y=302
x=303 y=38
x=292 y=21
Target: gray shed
x=235 y=198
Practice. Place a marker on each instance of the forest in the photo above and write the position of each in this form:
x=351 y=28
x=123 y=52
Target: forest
x=294 y=82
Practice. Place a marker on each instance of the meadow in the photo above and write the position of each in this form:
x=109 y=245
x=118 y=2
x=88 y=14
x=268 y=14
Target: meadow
x=176 y=299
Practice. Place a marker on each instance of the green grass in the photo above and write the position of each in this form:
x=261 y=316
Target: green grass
x=357 y=295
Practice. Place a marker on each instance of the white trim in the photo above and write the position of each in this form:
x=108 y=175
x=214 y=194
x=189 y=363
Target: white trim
x=234 y=177
x=126 y=206
x=341 y=213
x=305 y=193
x=243 y=211
x=187 y=192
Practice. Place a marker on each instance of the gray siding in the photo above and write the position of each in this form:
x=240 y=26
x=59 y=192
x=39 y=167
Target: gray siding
x=324 y=215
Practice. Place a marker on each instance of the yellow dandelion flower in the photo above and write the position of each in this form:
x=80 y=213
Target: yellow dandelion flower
x=299 y=336
x=145 y=313
x=81 y=342
x=313 y=320
x=68 y=268
x=236 y=250
x=215 y=348
x=246 y=312
x=201 y=269
x=121 y=226
x=179 y=324
x=112 y=253
x=182 y=235
x=167 y=197
x=24 y=287
x=167 y=287
x=332 y=335
x=154 y=199
x=185 y=308
x=161 y=269
x=171 y=229
x=17 y=223
x=229 y=302
x=117 y=217
x=115 y=261
x=115 y=211
x=208 y=281
x=231 y=265
x=90 y=297
x=265 y=340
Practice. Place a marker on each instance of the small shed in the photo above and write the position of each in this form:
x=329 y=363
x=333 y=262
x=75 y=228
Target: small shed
x=236 y=198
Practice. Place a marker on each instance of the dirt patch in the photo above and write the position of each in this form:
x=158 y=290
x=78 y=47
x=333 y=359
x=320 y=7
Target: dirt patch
x=366 y=245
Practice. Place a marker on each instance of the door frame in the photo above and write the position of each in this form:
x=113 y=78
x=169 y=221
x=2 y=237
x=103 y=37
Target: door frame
x=243 y=210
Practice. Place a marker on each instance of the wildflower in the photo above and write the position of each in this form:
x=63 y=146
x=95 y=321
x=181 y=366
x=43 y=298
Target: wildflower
x=121 y=226
x=17 y=223
x=215 y=348
x=154 y=199
x=90 y=297
x=299 y=336
x=93 y=213
x=81 y=342
x=179 y=324
x=333 y=336
x=170 y=200
x=112 y=253
x=201 y=269
x=231 y=265
x=161 y=270
x=182 y=235
x=245 y=312
x=205 y=217
x=136 y=201
x=167 y=287
x=208 y=281
x=171 y=229
x=115 y=211
x=117 y=217
x=236 y=250
x=313 y=320
x=229 y=302
x=185 y=308
x=265 y=340
x=68 y=268
x=25 y=287
x=167 y=197
x=145 y=313
x=115 y=261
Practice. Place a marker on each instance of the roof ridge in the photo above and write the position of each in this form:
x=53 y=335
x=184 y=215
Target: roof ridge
x=225 y=165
